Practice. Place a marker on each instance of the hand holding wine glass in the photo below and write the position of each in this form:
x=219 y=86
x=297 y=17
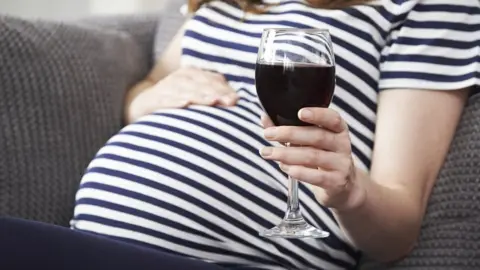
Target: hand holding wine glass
x=323 y=160
x=295 y=69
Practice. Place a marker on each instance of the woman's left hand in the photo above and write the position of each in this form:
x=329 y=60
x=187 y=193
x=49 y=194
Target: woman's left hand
x=322 y=156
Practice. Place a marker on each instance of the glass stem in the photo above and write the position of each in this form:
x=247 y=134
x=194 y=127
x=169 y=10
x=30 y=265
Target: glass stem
x=293 y=213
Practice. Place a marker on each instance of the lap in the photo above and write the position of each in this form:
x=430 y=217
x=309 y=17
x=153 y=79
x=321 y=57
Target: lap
x=32 y=245
x=191 y=182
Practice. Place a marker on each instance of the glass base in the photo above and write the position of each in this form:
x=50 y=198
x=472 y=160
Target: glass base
x=297 y=229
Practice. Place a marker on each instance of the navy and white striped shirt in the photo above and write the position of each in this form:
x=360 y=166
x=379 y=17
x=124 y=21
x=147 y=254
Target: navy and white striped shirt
x=416 y=44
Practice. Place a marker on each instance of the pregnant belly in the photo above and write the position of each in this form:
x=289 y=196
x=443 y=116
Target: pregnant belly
x=239 y=122
x=226 y=133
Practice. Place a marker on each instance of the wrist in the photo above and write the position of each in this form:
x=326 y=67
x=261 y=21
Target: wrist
x=131 y=109
x=357 y=193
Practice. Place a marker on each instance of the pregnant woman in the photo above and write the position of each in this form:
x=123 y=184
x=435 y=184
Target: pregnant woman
x=195 y=173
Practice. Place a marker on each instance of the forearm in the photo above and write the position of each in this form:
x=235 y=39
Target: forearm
x=385 y=225
x=165 y=65
x=136 y=90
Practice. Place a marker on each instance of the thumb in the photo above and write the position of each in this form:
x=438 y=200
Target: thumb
x=267 y=122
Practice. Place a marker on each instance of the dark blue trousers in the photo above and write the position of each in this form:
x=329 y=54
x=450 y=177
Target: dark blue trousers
x=26 y=245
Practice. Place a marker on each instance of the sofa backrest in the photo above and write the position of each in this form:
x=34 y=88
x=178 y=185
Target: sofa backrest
x=62 y=88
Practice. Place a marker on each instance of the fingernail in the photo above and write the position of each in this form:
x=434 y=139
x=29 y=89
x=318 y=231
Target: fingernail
x=266 y=151
x=284 y=167
x=306 y=114
x=269 y=133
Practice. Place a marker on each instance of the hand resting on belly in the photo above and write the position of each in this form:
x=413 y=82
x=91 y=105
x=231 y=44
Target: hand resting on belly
x=182 y=88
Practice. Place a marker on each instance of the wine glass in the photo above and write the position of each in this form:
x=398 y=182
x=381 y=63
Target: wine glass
x=295 y=69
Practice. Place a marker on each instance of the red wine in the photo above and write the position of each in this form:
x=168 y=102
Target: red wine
x=284 y=90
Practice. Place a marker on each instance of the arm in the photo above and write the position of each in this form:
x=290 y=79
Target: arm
x=380 y=212
x=170 y=86
x=414 y=131
x=168 y=63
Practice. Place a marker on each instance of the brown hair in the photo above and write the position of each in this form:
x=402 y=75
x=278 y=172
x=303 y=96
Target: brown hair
x=256 y=6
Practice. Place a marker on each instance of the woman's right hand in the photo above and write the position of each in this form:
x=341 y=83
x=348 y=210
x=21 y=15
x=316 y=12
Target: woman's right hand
x=184 y=87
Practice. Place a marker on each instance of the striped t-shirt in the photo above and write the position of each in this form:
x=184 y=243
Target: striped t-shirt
x=406 y=44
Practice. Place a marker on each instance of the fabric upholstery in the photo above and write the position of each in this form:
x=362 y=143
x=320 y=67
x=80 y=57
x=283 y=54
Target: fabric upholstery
x=62 y=87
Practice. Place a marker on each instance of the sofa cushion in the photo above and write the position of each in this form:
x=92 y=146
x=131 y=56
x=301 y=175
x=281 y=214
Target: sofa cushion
x=61 y=96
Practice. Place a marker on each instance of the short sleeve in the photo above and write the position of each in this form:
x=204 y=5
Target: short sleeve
x=436 y=47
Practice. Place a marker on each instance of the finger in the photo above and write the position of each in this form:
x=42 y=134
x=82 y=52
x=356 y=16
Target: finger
x=313 y=136
x=217 y=88
x=229 y=99
x=206 y=82
x=173 y=103
x=162 y=103
x=192 y=90
x=217 y=77
x=202 y=99
x=196 y=97
x=324 y=117
x=191 y=74
x=168 y=100
x=204 y=76
x=306 y=156
x=320 y=178
x=213 y=89
x=207 y=95
x=267 y=122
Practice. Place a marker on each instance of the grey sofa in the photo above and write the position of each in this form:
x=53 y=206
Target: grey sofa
x=61 y=95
